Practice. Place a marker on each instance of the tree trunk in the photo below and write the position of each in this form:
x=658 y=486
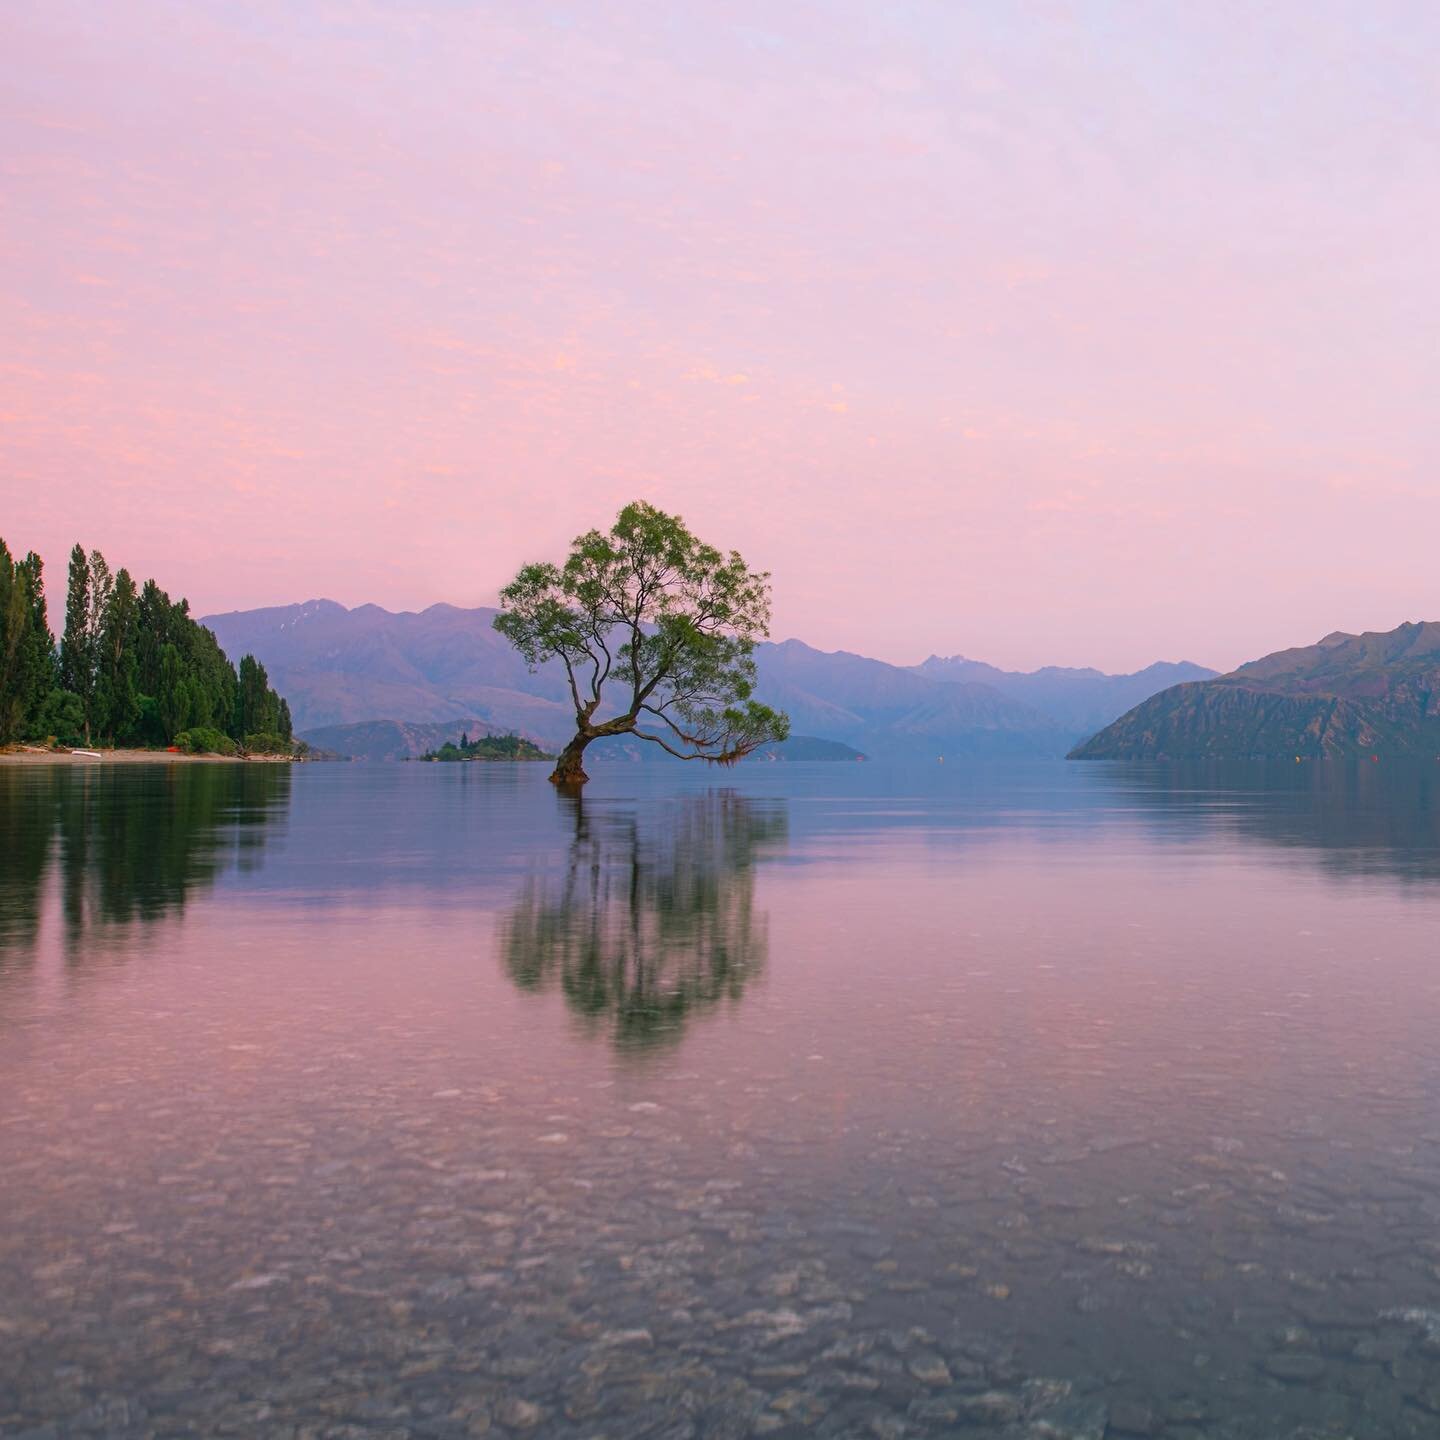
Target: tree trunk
x=569 y=772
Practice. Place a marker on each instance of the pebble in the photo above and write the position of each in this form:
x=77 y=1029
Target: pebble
x=518 y=1414
x=993 y=1407
x=930 y=1370
x=1294 y=1369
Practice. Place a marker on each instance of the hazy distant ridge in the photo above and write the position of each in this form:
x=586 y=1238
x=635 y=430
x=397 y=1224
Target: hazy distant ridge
x=1080 y=701
x=445 y=664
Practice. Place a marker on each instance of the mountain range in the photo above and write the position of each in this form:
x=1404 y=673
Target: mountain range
x=342 y=667
x=1346 y=695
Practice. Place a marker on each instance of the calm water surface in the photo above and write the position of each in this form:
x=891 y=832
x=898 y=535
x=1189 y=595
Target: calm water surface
x=352 y=1101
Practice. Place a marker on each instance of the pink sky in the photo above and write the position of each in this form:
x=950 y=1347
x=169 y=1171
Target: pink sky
x=1085 y=334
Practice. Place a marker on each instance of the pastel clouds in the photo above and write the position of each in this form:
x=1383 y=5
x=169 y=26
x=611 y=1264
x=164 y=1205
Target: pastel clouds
x=1085 y=334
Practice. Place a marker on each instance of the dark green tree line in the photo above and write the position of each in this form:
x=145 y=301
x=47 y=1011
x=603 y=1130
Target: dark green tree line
x=27 y=651
x=133 y=667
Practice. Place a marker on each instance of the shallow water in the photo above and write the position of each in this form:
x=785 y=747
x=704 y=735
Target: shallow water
x=827 y=1100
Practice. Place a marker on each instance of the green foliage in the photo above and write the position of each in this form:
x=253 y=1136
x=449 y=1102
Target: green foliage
x=27 y=650
x=267 y=744
x=181 y=666
x=117 y=692
x=75 y=665
x=668 y=621
x=139 y=670
x=61 y=717
x=488 y=747
x=206 y=740
x=38 y=673
x=14 y=617
x=257 y=705
x=89 y=599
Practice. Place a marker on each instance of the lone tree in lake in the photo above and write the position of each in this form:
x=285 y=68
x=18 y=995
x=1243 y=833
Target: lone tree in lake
x=668 y=621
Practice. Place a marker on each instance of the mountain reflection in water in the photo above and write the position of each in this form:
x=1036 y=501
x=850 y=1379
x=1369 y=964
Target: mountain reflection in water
x=1350 y=818
x=653 y=917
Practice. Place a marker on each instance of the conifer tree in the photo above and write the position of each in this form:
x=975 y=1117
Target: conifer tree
x=14 y=619
x=171 y=694
x=259 y=710
x=74 y=645
x=152 y=616
x=117 y=694
x=37 y=667
x=87 y=601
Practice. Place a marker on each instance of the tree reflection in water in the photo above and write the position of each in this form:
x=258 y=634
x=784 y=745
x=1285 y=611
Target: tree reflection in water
x=127 y=844
x=653 y=918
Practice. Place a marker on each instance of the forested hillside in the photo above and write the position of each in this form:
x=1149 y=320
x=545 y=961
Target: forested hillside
x=132 y=667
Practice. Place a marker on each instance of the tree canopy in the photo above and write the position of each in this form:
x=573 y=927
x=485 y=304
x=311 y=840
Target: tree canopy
x=651 y=614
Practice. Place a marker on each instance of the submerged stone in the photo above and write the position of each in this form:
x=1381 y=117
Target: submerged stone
x=1294 y=1369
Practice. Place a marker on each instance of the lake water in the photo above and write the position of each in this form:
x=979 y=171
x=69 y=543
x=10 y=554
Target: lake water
x=831 y=1100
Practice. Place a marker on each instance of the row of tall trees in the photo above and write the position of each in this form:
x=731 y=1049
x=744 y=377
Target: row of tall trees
x=132 y=666
x=27 y=653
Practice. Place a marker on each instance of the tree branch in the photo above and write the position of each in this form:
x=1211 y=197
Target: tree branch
x=688 y=739
x=669 y=750
x=574 y=689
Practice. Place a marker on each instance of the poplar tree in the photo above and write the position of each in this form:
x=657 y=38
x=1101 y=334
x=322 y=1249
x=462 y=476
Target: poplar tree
x=116 y=691
x=37 y=667
x=74 y=645
x=14 y=620
x=259 y=708
x=87 y=602
x=27 y=651
x=172 y=697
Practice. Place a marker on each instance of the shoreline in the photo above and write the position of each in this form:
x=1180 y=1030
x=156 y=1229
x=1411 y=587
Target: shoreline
x=16 y=756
